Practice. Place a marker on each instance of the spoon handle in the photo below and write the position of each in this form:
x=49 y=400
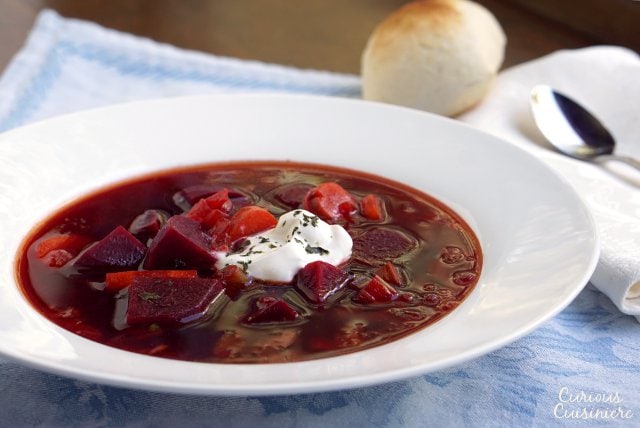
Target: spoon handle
x=626 y=159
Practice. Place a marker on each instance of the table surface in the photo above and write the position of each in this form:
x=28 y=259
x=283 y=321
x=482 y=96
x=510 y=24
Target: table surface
x=320 y=34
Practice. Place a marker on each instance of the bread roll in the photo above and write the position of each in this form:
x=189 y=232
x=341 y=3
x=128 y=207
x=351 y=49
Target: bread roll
x=435 y=55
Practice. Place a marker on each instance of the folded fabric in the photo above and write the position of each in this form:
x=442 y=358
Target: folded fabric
x=606 y=79
x=71 y=65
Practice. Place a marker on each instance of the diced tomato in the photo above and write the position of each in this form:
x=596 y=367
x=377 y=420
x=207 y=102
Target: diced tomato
x=330 y=201
x=220 y=201
x=219 y=235
x=249 y=220
x=199 y=212
x=376 y=291
x=390 y=273
x=205 y=215
x=212 y=209
x=116 y=281
x=268 y=309
x=371 y=207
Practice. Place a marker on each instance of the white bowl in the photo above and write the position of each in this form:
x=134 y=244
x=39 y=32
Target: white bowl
x=538 y=239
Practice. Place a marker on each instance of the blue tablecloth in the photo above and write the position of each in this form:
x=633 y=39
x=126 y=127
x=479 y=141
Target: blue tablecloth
x=582 y=366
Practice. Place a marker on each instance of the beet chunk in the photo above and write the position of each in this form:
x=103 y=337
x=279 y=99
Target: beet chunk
x=382 y=244
x=187 y=197
x=170 y=300
x=390 y=273
x=180 y=243
x=270 y=309
x=319 y=280
x=376 y=291
x=292 y=195
x=118 y=250
x=147 y=224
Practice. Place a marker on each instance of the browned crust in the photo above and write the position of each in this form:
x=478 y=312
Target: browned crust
x=437 y=17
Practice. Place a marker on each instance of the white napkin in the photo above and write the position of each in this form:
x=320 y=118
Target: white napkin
x=606 y=79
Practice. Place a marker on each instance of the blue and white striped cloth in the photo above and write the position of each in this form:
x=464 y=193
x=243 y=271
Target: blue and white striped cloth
x=583 y=366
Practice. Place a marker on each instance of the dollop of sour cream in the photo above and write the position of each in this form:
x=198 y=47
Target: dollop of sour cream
x=300 y=237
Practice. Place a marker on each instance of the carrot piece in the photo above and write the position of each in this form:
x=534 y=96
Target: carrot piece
x=58 y=250
x=371 y=207
x=116 y=281
x=249 y=220
x=329 y=201
x=69 y=242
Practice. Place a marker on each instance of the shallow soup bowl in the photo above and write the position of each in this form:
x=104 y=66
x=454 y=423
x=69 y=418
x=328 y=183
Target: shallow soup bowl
x=538 y=240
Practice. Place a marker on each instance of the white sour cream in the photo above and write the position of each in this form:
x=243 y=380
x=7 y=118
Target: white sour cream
x=299 y=238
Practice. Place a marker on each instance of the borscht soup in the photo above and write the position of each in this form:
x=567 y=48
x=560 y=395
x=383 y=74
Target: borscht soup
x=250 y=262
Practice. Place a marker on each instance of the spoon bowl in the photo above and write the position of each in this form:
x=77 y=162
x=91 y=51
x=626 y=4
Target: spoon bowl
x=571 y=128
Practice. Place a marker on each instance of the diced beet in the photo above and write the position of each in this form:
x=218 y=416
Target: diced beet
x=390 y=273
x=147 y=224
x=319 y=280
x=181 y=243
x=382 y=244
x=118 y=250
x=116 y=281
x=188 y=196
x=192 y=194
x=376 y=291
x=292 y=195
x=170 y=300
x=270 y=309
x=234 y=280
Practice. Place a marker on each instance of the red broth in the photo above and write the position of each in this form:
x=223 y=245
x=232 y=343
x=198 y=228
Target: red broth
x=425 y=255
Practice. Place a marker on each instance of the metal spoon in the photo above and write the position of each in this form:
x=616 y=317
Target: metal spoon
x=571 y=129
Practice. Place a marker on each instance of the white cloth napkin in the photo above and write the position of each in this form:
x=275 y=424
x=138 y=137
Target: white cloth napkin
x=606 y=79
x=69 y=65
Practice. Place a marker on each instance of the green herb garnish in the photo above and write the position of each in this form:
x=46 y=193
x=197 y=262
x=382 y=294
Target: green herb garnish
x=316 y=250
x=148 y=296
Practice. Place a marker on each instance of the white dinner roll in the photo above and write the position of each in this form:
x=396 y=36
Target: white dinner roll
x=435 y=55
